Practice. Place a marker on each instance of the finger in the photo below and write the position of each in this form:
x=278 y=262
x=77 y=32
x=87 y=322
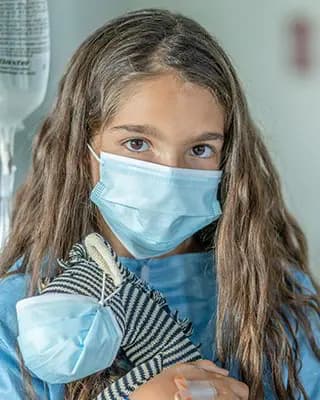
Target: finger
x=233 y=385
x=204 y=364
x=181 y=396
x=210 y=366
x=241 y=389
x=226 y=385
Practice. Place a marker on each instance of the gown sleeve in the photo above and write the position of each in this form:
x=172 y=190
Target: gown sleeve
x=11 y=380
x=12 y=385
x=310 y=365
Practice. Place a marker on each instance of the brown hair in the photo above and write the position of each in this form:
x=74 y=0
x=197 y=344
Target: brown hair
x=257 y=242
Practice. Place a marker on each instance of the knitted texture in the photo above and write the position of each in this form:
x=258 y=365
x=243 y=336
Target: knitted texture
x=153 y=337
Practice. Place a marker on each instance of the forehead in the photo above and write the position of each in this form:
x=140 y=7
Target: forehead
x=170 y=104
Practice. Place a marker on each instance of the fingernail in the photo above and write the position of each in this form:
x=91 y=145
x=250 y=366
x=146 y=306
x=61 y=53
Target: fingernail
x=215 y=369
x=181 y=382
x=183 y=395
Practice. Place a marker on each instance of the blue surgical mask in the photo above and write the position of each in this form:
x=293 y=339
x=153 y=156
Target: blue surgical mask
x=152 y=208
x=66 y=337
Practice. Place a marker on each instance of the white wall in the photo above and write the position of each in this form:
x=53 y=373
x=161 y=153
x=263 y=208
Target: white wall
x=285 y=104
x=254 y=35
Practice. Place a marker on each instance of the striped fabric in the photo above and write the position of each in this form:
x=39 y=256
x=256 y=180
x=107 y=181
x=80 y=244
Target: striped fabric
x=154 y=338
x=188 y=282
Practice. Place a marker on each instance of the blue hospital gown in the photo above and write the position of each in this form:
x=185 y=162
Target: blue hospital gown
x=189 y=284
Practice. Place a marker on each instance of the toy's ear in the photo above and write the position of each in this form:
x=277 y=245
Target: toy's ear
x=99 y=251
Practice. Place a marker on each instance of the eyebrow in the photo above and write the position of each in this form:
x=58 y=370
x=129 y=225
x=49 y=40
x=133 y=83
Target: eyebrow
x=150 y=130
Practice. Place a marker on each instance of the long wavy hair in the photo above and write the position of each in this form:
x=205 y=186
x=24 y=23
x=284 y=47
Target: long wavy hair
x=257 y=242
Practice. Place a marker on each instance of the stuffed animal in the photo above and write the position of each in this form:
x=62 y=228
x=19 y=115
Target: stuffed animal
x=153 y=337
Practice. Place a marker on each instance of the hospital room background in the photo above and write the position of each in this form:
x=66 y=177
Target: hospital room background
x=275 y=46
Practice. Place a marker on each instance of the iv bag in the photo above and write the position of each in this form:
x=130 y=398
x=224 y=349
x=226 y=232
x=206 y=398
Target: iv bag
x=24 y=71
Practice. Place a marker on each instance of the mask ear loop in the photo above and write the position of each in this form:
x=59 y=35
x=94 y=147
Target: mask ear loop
x=103 y=300
x=93 y=153
x=103 y=288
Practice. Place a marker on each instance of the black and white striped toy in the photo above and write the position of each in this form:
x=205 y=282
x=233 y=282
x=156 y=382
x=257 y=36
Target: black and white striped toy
x=153 y=337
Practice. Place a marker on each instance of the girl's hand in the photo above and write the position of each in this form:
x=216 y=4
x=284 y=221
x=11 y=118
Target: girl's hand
x=209 y=382
x=164 y=386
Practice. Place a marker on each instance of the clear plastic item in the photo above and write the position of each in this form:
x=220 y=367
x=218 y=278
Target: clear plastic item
x=24 y=72
x=195 y=390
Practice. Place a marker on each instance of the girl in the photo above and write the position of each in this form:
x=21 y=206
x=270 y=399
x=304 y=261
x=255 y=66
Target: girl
x=153 y=86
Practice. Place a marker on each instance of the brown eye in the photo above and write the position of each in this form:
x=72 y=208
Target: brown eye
x=199 y=151
x=135 y=145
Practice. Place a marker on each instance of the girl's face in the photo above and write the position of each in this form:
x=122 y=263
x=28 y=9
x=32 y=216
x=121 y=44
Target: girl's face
x=164 y=121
